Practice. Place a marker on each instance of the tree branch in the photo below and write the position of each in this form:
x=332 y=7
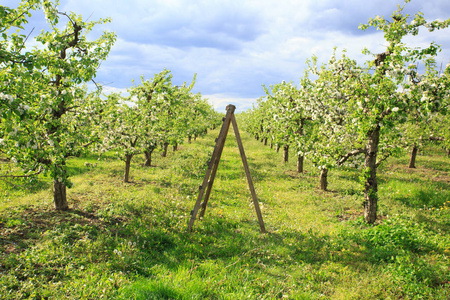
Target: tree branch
x=385 y=156
x=87 y=144
x=23 y=176
x=344 y=158
x=383 y=159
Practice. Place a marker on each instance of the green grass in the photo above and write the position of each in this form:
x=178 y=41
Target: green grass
x=129 y=241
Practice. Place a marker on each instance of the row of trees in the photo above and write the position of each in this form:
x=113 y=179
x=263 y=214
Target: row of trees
x=346 y=113
x=156 y=114
x=48 y=115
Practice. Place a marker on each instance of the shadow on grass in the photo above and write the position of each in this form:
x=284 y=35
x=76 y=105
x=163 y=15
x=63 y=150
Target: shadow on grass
x=428 y=194
x=437 y=227
x=217 y=238
x=22 y=227
x=30 y=185
x=433 y=161
x=237 y=246
x=231 y=242
x=151 y=237
x=425 y=198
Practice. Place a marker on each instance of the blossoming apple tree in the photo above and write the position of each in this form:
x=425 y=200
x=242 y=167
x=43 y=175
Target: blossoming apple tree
x=363 y=107
x=44 y=105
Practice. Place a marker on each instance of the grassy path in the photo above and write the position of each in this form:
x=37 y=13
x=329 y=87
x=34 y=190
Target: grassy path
x=125 y=241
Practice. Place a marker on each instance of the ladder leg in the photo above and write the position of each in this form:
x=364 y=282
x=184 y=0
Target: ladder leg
x=214 y=162
x=247 y=173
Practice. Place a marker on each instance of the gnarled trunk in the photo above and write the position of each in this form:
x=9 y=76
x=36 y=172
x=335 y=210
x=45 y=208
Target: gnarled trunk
x=286 y=153
x=277 y=148
x=412 y=159
x=148 y=157
x=164 y=153
x=59 y=195
x=324 y=179
x=300 y=159
x=265 y=141
x=126 y=176
x=371 y=185
x=175 y=147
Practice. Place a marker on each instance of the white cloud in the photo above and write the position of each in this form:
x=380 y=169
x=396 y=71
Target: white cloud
x=236 y=46
x=220 y=102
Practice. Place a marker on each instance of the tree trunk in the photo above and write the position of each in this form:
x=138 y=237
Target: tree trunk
x=412 y=159
x=126 y=176
x=265 y=142
x=175 y=147
x=164 y=153
x=286 y=153
x=300 y=159
x=277 y=148
x=371 y=185
x=324 y=179
x=59 y=195
x=148 y=157
x=189 y=139
x=271 y=145
x=448 y=152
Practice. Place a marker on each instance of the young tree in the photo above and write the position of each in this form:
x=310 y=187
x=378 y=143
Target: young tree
x=43 y=88
x=257 y=120
x=275 y=122
x=331 y=136
x=180 y=107
x=165 y=107
x=290 y=121
x=122 y=129
x=425 y=122
x=150 y=97
x=198 y=117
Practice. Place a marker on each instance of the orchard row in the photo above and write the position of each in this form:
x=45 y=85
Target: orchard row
x=346 y=113
x=48 y=115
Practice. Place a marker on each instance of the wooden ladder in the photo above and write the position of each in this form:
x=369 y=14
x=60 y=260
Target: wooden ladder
x=213 y=164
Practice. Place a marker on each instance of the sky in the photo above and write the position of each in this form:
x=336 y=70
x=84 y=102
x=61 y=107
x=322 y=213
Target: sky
x=235 y=47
